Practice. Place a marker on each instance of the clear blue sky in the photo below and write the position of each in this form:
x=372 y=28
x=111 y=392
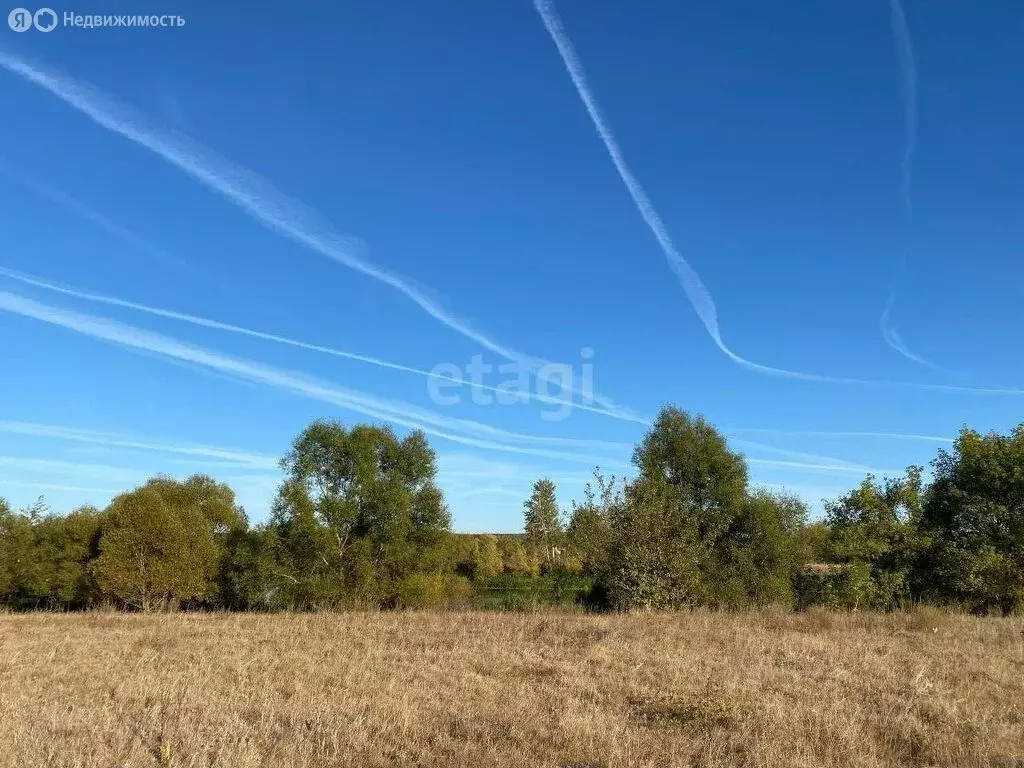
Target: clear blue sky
x=313 y=173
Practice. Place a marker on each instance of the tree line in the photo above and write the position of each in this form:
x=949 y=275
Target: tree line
x=359 y=521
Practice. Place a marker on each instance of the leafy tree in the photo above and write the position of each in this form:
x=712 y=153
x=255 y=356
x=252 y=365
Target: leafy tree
x=680 y=533
x=694 y=459
x=515 y=559
x=656 y=558
x=64 y=546
x=810 y=544
x=590 y=526
x=758 y=553
x=16 y=555
x=543 y=522
x=249 y=576
x=876 y=528
x=154 y=552
x=360 y=510
x=975 y=513
x=487 y=557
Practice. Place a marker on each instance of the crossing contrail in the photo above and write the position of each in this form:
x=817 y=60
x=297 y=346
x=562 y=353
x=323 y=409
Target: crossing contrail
x=698 y=294
x=203 y=322
x=458 y=430
x=256 y=196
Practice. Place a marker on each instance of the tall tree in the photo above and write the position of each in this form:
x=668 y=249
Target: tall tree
x=694 y=459
x=590 y=525
x=153 y=553
x=875 y=529
x=686 y=523
x=543 y=521
x=975 y=512
x=64 y=547
x=365 y=504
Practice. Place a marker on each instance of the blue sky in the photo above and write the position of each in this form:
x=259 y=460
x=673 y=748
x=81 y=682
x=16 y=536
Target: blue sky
x=421 y=184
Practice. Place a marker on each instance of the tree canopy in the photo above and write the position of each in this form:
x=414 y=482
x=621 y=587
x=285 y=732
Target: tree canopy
x=359 y=520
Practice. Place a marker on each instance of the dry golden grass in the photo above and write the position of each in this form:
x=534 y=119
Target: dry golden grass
x=489 y=689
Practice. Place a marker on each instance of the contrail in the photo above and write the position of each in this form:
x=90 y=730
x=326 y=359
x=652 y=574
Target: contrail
x=820 y=467
x=87 y=213
x=908 y=85
x=893 y=339
x=812 y=458
x=112 y=440
x=827 y=433
x=698 y=294
x=908 y=88
x=462 y=431
x=228 y=327
x=250 y=192
x=57 y=487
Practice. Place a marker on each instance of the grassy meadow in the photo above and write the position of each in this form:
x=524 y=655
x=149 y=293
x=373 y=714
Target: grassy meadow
x=922 y=688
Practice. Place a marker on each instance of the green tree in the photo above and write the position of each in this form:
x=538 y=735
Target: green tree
x=16 y=554
x=680 y=533
x=543 y=522
x=249 y=576
x=656 y=558
x=154 y=553
x=515 y=559
x=487 y=557
x=759 y=553
x=64 y=547
x=875 y=530
x=695 y=460
x=589 y=532
x=975 y=514
x=360 y=509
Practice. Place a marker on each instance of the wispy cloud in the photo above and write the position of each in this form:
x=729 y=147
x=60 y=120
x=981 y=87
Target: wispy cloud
x=802 y=457
x=107 y=471
x=54 y=487
x=252 y=193
x=114 y=440
x=698 y=294
x=826 y=433
x=91 y=215
x=79 y=293
x=462 y=431
x=818 y=467
x=908 y=87
x=893 y=339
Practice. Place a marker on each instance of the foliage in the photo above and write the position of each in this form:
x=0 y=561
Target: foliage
x=358 y=512
x=876 y=528
x=359 y=521
x=543 y=523
x=833 y=585
x=156 y=546
x=588 y=534
x=975 y=514
x=695 y=461
x=759 y=551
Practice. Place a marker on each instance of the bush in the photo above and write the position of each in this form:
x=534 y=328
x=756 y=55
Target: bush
x=835 y=586
x=430 y=590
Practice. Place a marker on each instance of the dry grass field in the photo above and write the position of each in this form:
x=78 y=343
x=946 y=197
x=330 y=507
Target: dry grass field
x=491 y=689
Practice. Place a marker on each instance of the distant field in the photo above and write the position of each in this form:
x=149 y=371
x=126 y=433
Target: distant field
x=506 y=689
